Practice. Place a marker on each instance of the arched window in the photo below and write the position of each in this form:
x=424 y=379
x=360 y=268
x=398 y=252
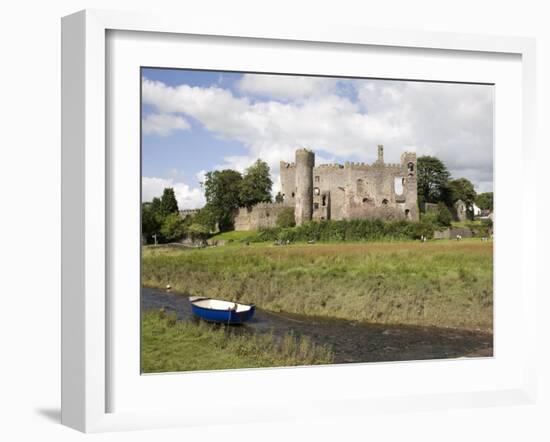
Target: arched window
x=411 y=166
x=385 y=202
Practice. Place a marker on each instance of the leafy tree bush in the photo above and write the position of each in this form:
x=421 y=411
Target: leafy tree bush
x=481 y=229
x=149 y=222
x=206 y=218
x=433 y=177
x=168 y=203
x=286 y=218
x=268 y=234
x=444 y=216
x=349 y=230
x=461 y=189
x=222 y=190
x=485 y=201
x=173 y=228
x=154 y=215
x=256 y=184
x=198 y=231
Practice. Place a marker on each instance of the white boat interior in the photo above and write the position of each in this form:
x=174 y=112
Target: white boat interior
x=217 y=304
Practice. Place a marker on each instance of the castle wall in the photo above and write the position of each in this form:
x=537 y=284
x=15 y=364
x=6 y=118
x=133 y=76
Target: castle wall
x=359 y=190
x=335 y=191
x=288 y=182
x=305 y=160
x=328 y=179
x=262 y=215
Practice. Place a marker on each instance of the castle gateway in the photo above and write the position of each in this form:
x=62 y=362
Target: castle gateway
x=335 y=191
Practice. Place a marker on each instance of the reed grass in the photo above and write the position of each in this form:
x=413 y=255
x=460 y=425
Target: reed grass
x=169 y=345
x=438 y=283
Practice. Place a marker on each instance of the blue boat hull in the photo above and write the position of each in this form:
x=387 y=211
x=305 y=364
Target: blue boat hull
x=223 y=316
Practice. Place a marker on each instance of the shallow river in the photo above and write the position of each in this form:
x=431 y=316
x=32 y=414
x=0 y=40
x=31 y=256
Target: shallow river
x=350 y=341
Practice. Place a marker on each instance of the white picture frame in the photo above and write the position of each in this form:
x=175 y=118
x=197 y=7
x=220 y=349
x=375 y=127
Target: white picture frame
x=86 y=207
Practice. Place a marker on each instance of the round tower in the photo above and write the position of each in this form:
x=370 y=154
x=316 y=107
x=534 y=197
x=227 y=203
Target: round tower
x=305 y=160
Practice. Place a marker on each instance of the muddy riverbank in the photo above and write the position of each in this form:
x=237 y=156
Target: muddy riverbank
x=350 y=341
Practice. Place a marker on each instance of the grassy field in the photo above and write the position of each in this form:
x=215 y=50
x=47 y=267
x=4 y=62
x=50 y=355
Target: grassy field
x=169 y=345
x=439 y=283
x=234 y=235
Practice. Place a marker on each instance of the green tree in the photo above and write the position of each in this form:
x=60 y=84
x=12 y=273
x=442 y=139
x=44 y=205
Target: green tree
x=256 y=185
x=198 y=231
x=173 y=227
x=149 y=221
x=279 y=197
x=461 y=189
x=205 y=218
x=286 y=218
x=155 y=205
x=154 y=214
x=485 y=201
x=222 y=192
x=433 y=178
x=168 y=202
x=444 y=216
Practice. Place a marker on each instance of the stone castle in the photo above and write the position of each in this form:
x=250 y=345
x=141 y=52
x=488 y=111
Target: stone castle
x=335 y=191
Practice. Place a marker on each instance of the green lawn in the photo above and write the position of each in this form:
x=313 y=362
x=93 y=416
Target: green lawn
x=234 y=236
x=439 y=283
x=168 y=345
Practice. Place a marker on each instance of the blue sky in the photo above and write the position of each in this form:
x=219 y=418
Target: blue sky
x=196 y=121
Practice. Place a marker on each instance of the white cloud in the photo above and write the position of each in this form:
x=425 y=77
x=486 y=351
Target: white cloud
x=163 y=124
x=451 y=121
x=188 y=197
x=285 y=87
x=201 y=176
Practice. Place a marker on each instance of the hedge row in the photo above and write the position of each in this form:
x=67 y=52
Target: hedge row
x=348 y=230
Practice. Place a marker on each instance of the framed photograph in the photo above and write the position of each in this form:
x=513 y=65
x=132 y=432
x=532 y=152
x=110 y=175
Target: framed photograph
x=295 y=222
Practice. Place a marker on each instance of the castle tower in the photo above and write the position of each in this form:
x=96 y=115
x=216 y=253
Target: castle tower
x=380 y=153
x=305 y=160
x=408 y=163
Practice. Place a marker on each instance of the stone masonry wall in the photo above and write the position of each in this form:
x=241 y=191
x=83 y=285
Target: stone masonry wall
x=260 y=216
x=334 y=191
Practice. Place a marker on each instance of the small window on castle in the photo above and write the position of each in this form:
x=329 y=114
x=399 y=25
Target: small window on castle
x=317 y=179
x=316 y=206
x=324 y=200
x=366 y=200
x=316 y=191
x=267 y=214
x=385 y=202
x=292 y=194
x=360 y=186
x=407 y=214
x=411 y=166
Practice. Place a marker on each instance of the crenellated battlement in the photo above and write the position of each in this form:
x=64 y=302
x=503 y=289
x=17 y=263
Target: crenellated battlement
x=365 y=166
x=329 y=166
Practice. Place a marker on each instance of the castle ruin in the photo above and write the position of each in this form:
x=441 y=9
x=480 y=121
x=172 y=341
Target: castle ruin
x=334 y=191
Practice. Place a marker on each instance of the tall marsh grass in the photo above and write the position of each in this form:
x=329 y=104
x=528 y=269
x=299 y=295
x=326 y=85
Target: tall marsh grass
x=168 y=345
x=443 y=283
